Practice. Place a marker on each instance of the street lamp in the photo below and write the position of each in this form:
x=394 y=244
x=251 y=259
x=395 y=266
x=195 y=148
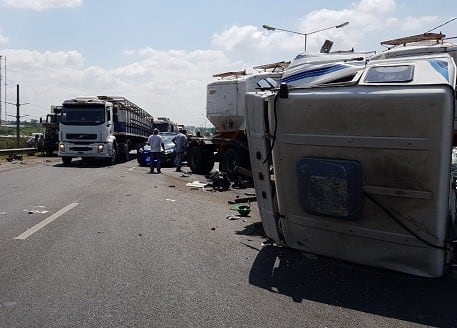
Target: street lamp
x=270 y=28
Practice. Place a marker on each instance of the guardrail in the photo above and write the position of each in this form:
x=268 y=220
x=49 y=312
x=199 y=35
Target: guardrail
x=18 y=151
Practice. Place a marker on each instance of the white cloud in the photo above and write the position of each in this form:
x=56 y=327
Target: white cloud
x=376 y=6
x=173 y=82
x=416 y=24
x=42 y=4
x=3 y=38
x=166 y=83
x=26 y=60
x=370 y=22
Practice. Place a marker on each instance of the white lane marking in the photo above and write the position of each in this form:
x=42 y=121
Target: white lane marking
x=45 y=222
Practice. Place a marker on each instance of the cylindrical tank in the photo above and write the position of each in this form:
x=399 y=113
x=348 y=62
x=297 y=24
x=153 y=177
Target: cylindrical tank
x=225 y=99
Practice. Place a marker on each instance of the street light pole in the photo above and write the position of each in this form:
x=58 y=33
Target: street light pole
x=1 y=89
x=270 y=28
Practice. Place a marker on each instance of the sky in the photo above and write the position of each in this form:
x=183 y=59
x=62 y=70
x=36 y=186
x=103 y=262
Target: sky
x=162 y=54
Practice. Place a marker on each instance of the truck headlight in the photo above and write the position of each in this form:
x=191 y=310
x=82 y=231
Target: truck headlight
x=100 y=148
x=61 y=147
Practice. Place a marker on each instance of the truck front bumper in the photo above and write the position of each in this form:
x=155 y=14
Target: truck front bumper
x=94 y=150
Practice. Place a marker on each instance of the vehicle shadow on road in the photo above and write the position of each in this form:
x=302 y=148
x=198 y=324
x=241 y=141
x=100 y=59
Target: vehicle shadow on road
x=82 y=164
x=381 y=292
x=254 y=229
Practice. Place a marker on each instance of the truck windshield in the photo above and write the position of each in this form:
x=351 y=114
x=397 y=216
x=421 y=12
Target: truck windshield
x=163 y=127
x=83 y=115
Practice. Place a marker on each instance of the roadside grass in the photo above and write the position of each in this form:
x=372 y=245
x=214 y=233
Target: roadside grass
x=8 y=136
x=10 y=143
x=8 y=139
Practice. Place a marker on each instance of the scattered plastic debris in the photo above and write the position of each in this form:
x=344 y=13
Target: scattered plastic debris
x=243 y=210
x=14 y=157
x=196 y=184
x=37 y=212
x=268 y=242
x=221 y=181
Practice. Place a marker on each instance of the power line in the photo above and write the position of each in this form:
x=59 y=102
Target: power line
x=453 y=19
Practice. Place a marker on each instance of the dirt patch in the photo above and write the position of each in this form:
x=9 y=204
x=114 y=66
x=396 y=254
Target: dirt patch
x=26 y=162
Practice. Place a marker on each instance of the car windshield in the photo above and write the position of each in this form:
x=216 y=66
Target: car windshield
x=167 y=138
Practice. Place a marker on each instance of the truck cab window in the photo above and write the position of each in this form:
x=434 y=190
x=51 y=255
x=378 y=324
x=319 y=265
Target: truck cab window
x=108 y=114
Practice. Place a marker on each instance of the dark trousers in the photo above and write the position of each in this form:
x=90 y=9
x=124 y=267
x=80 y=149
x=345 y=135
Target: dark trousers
x=156 y=158
x=178 y=160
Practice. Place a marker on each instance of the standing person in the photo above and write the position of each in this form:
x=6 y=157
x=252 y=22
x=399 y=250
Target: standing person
x=180 y=140
x=41 y=144
x=36 y=141
x=156 y=143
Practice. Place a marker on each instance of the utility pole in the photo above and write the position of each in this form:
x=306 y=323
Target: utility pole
x=4 y=91
x=1 y=89
x=18 y=117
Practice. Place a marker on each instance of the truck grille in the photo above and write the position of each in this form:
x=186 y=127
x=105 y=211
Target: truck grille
x=80 y=148
x=81 y=136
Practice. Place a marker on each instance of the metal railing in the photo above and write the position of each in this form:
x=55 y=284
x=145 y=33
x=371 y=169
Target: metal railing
x=18 y=151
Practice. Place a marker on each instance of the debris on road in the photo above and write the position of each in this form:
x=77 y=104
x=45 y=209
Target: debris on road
x=39 y=210
x=242 y=200
x=196 y=184
x=243 y=210
x=220 y=181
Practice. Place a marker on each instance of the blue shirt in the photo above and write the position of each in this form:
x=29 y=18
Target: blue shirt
x=180 y=141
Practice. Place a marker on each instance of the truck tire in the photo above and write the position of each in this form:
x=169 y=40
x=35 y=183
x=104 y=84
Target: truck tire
x=230 y=159
x=115 y=155
x=200 y=160
x=124 y=155
x=66 y=160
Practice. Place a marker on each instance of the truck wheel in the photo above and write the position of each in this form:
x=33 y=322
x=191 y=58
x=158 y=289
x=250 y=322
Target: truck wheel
x=125 y=153
x=115 y=155
x=229 y=160
x=200 y=160
x=66 y=160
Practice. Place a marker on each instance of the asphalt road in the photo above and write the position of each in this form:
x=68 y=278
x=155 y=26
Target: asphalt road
x=124 y=248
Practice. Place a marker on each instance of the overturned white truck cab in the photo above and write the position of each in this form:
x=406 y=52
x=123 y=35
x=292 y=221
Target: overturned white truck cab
x=360 y=169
